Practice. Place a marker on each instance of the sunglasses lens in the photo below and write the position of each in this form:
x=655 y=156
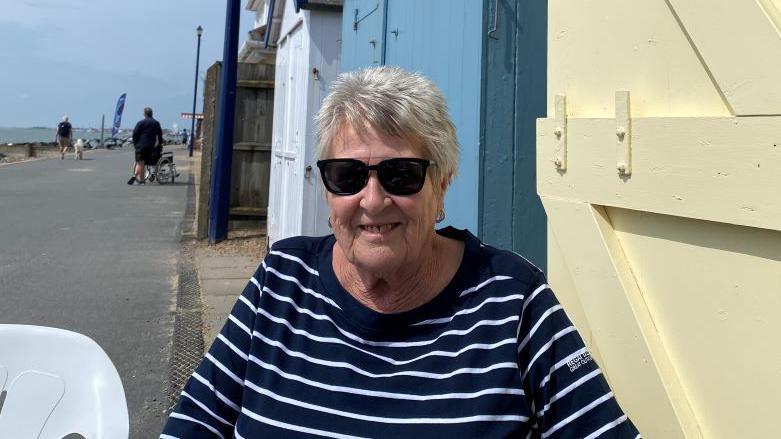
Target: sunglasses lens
x=344 y=177
x=402 y=176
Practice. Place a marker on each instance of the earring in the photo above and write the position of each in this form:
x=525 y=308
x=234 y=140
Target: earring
x=440 y=216
x=329 y=223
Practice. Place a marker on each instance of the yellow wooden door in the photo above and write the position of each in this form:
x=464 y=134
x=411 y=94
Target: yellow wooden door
x=659 y=166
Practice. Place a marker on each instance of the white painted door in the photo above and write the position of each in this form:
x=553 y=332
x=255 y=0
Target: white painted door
x=287 y=155
x=663 y=205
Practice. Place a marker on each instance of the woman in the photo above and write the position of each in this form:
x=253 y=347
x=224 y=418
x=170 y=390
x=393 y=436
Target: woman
x=388 y=328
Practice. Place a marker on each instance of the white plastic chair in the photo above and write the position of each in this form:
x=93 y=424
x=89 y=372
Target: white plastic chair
x=58 y=384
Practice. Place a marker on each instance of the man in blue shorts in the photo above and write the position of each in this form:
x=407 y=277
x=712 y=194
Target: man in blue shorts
x=146 y=136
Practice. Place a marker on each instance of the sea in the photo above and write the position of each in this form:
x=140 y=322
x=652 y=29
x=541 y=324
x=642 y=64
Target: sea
x=42 y=134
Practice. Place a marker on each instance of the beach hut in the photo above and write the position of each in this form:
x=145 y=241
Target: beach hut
x=305 y=38
x=659 y=165
x=488 y=58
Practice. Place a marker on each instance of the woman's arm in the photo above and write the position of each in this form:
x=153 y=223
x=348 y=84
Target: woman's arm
x=211 y=399
x=564 y=387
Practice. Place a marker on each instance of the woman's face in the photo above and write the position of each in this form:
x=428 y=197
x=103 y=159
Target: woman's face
x=377 y=231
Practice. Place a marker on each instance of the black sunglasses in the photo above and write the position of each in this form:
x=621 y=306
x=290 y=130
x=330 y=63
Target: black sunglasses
x=398 y=176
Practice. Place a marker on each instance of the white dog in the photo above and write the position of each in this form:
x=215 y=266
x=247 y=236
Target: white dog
x=77 y=148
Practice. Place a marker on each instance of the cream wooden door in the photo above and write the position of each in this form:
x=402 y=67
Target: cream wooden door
x=287 y=155
x=659 y=167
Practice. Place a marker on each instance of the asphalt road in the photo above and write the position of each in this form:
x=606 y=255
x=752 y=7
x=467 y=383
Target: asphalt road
x=83 y=251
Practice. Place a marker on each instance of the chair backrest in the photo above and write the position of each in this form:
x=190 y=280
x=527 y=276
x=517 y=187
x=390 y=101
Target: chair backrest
x=55 y=383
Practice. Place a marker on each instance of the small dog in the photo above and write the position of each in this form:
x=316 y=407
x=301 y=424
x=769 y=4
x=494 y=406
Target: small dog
x=77 y=149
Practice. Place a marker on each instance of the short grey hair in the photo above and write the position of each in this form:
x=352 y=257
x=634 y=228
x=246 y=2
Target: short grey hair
x=396 y=103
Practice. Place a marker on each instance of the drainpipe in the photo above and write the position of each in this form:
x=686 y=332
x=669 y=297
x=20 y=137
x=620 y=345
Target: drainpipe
x=269 y=21
x=223 y=154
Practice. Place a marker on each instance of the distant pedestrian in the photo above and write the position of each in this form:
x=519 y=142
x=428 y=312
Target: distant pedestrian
x=147 y=135
x=184 y=136
x=63 y=136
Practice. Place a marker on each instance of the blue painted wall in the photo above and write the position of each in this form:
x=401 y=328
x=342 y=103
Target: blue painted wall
x=440 y=39
x=513 y=96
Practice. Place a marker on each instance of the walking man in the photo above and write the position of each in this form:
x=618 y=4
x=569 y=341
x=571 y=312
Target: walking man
x=63 y=136
x=146 y=136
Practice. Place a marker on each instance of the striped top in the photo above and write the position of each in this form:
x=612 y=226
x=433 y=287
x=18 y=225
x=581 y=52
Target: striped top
x=492 y=356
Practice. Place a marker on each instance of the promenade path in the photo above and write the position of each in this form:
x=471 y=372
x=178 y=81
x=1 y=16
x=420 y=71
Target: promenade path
x=82 y=250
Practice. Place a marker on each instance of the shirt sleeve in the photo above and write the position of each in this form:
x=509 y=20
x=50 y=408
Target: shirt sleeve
x=565 y=389
x=136 y=133
x=159 y=133
x=211 y=399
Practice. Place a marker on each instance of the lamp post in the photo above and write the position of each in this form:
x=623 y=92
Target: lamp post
x=199 y=32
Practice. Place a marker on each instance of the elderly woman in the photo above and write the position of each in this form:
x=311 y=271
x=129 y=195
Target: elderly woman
x=388 y=327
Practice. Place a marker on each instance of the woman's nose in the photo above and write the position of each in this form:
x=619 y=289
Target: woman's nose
x=374 y=198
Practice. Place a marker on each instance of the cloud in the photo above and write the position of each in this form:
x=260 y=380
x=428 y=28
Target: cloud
x=51 y=5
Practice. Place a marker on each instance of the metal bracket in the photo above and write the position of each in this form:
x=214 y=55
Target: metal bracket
x=560 y=131
x=623 y=133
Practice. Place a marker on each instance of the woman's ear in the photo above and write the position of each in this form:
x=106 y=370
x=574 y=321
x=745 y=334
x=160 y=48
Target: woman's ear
x=444 y=183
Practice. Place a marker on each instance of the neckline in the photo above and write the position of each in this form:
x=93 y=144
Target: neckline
x=370 y=321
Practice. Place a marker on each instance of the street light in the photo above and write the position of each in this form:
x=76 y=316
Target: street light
x=199 y=32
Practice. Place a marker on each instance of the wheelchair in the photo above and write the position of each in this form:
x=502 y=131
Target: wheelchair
x=161 y=168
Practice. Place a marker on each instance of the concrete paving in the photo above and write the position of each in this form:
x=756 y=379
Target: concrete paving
x=222 y=279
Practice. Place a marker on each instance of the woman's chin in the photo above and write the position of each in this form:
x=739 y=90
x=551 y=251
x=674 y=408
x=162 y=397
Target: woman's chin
x=377 y=259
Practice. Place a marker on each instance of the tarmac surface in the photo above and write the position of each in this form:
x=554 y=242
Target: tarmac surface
x=81 y=250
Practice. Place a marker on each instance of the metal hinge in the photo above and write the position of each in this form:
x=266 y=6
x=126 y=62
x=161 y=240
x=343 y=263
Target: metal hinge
x=623 y=134
x=560 y=131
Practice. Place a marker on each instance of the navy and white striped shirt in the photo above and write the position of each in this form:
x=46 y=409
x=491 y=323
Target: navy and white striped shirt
x=492 y=356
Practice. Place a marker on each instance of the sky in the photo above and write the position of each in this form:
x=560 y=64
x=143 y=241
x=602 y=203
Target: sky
x=75 y=57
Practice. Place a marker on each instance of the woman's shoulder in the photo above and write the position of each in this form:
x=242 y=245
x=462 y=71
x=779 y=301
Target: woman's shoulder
x=302 y=243
x=494 y=261
x=298 y=252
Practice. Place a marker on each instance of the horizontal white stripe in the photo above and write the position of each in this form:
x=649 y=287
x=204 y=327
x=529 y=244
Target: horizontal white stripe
x=232 y=347
x=379 y=394
x=188 y=418
x=415 y=373
x=206 y=409
x=293 y=427
x=247 y=301
x=606 y=427
x=389 y=343
x=167 y=436
x=295 y=259
x=563 y=392
x=544 y=348
x=561 y=363
x=238 y=323
x=298 y=283
x=577 y=414
x=537 y=325
x=471 y=310
x=223 y=368
x=378 y=356
x=482 y=284
x=534 y=294
x=217 y=393
x=386 y=420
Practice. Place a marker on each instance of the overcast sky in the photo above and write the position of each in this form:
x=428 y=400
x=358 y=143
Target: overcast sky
x=76 y=57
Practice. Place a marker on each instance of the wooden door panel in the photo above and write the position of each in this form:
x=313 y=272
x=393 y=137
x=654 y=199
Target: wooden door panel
x=740 y=45
x=630 y=351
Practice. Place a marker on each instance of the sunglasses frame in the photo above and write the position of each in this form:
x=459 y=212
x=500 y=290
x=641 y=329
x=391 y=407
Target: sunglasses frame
x=321 y=164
